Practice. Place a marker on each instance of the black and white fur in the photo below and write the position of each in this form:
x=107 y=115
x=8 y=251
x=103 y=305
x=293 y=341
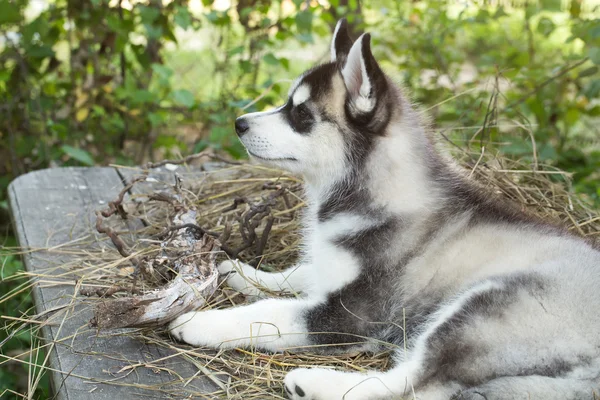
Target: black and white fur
x=482 y=301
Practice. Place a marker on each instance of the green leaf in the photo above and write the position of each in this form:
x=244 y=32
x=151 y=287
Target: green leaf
x=246 y=66
x=201 y=145
x=9 y=13
x=36 y=51
x=4 y=75
x=575 y=9
x=166 y=141
x=184 y=98
x=595 y=31
x=270 y=59
x=148 y=14
x=156 y=118
x=162 y=71
x=545 y=26
x=594 y=54
x=572 y=116
x=99 y=111
x=547 y=152
x=305 y=38
x=593 y=89
x=304 y=21
x=551 y=5
x=78 y=154
x=183 y=18
x=236 y=50
x=142 y=96
x=531 y=9
x=500 y=12
x=154 y=32
x=218 y=134
x=588 y=72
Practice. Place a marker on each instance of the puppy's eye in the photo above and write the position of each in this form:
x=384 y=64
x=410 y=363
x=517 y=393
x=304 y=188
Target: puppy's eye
x=302 y=111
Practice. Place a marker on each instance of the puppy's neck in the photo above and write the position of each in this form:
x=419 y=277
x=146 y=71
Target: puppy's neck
x=397 y=178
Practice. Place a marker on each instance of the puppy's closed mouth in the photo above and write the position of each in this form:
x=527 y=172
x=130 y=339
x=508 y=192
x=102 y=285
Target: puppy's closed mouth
x=272 y=159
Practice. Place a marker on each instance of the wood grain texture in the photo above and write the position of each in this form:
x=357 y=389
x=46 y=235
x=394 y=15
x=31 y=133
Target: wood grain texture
x=56 y=206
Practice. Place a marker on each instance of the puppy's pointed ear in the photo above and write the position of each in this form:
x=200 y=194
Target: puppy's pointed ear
x=363 y=77
x=340 y=42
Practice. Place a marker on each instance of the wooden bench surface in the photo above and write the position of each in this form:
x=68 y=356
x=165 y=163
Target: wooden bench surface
x=50 y=208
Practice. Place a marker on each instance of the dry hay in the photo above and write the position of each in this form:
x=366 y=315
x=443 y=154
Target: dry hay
x=222 y=199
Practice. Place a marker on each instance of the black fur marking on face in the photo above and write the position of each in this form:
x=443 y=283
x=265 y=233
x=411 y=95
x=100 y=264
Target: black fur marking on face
x=302 y=117
x=299 y=391
x=299 y=117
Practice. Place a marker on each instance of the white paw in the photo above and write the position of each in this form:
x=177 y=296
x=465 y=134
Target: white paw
x=240 y=277
x=183 y=327
x=201 y=328
x=325 y=384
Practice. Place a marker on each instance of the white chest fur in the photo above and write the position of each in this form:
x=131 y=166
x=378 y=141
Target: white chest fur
x=334 y=265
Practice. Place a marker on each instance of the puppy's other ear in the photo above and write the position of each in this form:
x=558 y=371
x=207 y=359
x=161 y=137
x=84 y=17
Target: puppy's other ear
x=363 y=77
x=340 y=42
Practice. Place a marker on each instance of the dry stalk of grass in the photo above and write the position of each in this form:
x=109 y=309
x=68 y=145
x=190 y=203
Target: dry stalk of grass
x=228 y=204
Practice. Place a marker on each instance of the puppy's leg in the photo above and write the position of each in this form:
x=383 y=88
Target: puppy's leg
x=248 y=280
x=466 y=342
x=326 y=384
x=271 y=324
x=532 y=388
x=277 y=324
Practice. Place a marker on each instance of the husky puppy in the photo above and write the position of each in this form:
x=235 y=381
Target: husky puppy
x=482 y=301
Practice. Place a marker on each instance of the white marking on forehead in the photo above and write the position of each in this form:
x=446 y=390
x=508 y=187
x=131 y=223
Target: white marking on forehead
x=301 y=94
x=296 y=83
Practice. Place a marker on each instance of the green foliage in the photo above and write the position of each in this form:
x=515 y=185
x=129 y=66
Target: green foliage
x=84 y=82
x=523 y=78
x=13 y=375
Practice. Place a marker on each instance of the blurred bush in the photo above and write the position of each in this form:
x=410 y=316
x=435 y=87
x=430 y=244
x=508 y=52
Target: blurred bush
x=86 y=82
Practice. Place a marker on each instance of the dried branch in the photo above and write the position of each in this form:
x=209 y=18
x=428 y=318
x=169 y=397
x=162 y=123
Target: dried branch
x=116 y=206
x=106 y=292
x=114 y=237
x=184 y=267
x=194 y=261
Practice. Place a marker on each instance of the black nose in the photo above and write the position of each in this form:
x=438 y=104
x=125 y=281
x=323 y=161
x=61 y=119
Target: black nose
x=241 y=126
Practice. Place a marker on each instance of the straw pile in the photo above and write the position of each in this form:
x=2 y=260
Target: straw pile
x=242 y=202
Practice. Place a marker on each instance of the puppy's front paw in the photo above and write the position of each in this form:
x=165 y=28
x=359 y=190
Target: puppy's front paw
x=182 y=327
x=240 y=277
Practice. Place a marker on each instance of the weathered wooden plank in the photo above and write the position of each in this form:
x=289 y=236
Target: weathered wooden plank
x=53 y=207
x=163 y=177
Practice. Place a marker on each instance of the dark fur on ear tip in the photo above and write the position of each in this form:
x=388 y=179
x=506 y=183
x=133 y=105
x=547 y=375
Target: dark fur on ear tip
x=371 y=65
x=341 y=42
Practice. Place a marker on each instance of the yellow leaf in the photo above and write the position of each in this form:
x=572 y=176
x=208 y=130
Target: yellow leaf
x=81 y=99
x=107 y=88
x=135 y=112
x=82 y=114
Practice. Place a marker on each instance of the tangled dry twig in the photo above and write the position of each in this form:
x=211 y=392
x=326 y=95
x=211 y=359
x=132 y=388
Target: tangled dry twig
x=175 y=258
